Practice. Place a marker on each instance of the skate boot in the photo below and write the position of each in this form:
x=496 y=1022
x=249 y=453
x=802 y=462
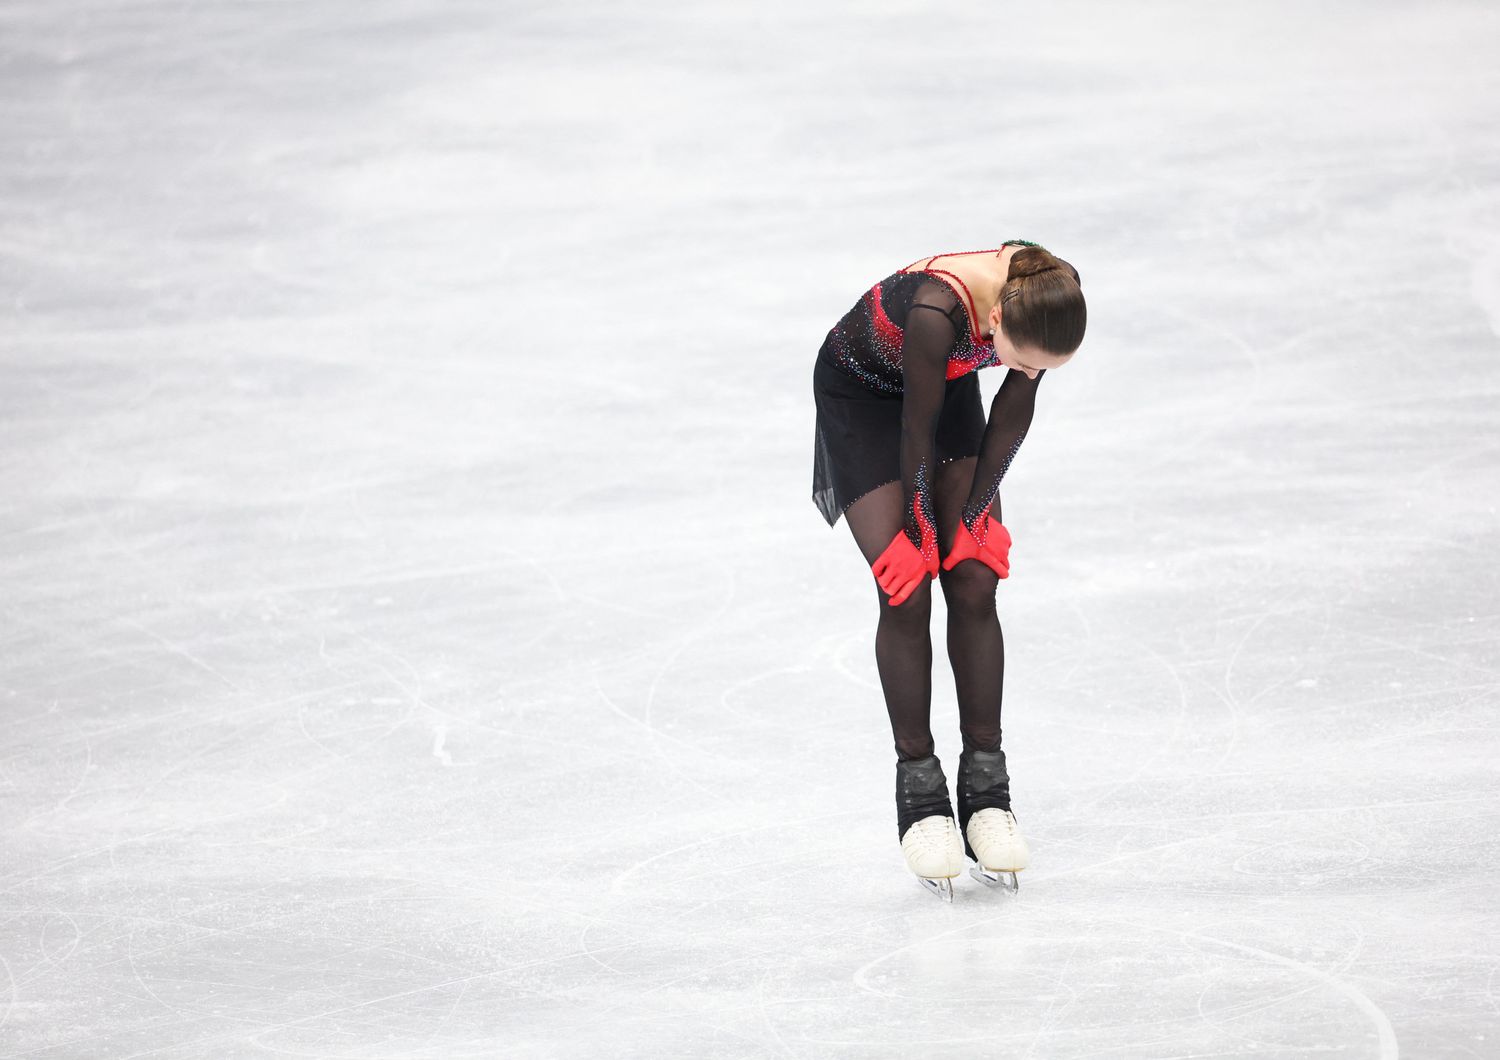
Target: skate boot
x=991 y=836
x=924 y=821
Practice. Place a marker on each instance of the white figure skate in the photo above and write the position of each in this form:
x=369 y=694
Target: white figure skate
x=929 y=835
x=935 y=853
x=999 y=849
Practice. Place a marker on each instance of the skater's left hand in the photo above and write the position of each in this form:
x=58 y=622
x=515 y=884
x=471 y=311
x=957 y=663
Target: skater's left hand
x=902 y=566
x=988 y=541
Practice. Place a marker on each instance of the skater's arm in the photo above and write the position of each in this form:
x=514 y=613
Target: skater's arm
x=928 y=338
x=1010 y=419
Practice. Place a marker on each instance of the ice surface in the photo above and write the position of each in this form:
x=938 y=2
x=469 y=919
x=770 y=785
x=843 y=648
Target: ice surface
x=416 y=636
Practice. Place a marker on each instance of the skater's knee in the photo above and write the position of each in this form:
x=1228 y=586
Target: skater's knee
x=915 y=610
x=969 y=590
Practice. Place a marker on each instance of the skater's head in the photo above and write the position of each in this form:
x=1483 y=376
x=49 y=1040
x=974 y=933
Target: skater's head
x=1040 y=316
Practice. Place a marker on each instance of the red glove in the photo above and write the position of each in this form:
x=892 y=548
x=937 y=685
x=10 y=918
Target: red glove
x=987 y=541
x=902 y=566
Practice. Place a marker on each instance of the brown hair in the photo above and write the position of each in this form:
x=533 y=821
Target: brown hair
x=1042 y=302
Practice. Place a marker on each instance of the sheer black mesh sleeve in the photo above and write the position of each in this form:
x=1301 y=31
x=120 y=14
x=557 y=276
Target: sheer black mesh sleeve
x=929 y=336
x=1010 y=419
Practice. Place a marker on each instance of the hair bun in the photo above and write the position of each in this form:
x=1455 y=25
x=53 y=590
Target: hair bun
x=1033 y=261
x=1028 y=261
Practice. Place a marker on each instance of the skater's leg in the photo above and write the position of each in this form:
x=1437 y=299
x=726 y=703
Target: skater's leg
x=925 y=824
x=976 y=647
x=976 y=650
x=903 y=636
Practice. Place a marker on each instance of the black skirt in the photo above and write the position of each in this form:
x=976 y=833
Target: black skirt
x=857 y=443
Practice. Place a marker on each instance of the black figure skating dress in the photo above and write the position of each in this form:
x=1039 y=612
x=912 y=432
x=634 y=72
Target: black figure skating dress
x=857 y=382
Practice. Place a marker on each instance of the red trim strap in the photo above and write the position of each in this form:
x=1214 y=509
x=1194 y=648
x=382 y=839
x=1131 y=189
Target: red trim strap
x=973 y=309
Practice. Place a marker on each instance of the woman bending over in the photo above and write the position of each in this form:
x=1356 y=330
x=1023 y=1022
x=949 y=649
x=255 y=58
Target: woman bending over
x=903 y=450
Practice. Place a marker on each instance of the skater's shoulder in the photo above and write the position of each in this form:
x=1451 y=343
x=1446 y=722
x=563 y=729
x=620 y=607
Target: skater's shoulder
x=932 y=288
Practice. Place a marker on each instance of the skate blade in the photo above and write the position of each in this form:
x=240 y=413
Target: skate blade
x=941 y=886
x=1000 y=879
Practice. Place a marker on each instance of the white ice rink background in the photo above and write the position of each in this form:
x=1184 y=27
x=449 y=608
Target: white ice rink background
x=416 y=636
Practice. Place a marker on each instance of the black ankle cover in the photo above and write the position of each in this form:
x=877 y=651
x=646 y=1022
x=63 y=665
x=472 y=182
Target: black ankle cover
x=983 y=784
x=921 y=791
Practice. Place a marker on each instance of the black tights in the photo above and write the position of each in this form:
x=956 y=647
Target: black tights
x=903 y=637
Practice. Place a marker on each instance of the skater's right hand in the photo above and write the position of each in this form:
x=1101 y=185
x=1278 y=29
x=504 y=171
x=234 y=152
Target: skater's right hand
x=902 y=567
x=988 y=541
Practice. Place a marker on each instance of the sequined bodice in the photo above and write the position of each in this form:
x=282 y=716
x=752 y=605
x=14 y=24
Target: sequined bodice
x=866 y=342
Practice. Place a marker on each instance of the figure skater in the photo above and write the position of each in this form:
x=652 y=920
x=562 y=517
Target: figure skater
x=903 y=451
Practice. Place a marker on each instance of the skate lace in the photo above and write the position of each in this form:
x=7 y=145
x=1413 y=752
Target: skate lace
x=931 y=833
x=990 y=823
